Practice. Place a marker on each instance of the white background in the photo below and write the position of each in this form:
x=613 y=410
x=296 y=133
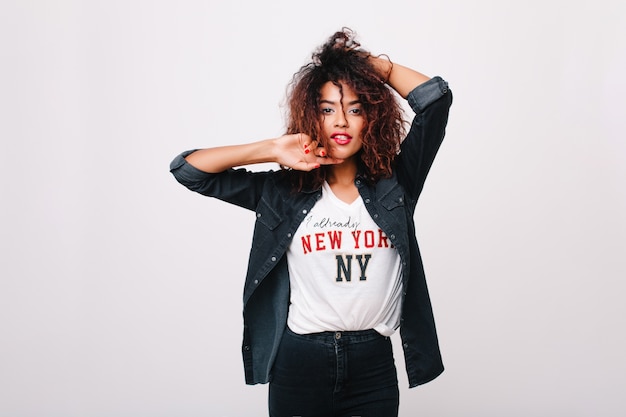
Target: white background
x=120 y=291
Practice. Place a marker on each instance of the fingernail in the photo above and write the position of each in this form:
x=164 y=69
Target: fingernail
x=306 y=151
x=322 y=153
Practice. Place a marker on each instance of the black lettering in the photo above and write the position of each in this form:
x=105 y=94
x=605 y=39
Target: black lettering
x=342 y=267
x=363 y=265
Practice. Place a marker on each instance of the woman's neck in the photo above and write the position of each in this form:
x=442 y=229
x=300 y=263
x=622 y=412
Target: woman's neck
x=342 y=174
x=341 y=180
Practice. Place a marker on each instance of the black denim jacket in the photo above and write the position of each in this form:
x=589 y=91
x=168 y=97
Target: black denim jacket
x=391 y=203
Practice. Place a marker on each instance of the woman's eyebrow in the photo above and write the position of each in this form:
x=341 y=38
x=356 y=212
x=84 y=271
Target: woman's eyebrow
x=334 y=102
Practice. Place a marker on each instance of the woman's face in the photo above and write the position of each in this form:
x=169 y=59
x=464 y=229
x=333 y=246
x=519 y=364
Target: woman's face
x=342 y=120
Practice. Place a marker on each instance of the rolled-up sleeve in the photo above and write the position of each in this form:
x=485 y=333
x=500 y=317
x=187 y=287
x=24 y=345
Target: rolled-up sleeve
x=236 y=186
x=425 y=94
x=185 y=173
x=431 y=103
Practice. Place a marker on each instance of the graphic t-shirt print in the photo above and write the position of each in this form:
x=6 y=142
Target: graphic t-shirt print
x=347 y=240
x=344 y=270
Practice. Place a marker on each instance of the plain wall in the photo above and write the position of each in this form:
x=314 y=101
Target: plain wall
x=120 y=291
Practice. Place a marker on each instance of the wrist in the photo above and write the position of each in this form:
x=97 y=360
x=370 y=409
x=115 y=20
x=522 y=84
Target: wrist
x=272 y=146
x=383 y=66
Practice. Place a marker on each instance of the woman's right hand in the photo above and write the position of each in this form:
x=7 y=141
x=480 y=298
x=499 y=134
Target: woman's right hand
x=298 y=151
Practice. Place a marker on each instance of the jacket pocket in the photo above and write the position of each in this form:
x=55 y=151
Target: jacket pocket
x=394 y=198
x=266 y=215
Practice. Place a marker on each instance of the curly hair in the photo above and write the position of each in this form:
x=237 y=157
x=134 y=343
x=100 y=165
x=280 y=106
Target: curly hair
x=342 y=62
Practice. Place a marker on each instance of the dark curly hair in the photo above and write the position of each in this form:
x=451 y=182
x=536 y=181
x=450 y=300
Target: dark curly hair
x=341 y=61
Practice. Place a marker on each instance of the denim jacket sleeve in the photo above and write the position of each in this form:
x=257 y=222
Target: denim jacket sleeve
x=431 y=103
x=236 y=186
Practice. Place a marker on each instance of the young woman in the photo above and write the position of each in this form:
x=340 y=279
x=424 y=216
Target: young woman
x=335 y=267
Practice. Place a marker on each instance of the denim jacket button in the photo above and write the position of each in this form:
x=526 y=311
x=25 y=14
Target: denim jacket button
x=258 y=215
x=288 y=234
x=367 y=200
x=273 y=259
x=392 y=237
x=375 y=215
x=256 y=281
x=304 y=211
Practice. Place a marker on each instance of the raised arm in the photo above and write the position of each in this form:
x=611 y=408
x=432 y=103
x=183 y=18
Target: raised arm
x=430 y=99
x=399 y=77
x=295 y=151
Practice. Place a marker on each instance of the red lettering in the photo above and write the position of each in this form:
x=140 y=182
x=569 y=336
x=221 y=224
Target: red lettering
x=335 y=239
x=382 y=239
x=319 y=241
x=306 y=243
x=369 y=238
x=356 y=235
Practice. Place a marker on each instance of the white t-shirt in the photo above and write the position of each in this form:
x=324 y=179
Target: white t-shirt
x=344 y=272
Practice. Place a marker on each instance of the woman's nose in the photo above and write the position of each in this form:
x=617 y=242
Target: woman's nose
x=340 y=119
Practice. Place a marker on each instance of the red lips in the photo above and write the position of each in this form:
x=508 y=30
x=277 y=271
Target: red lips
x=341 y=138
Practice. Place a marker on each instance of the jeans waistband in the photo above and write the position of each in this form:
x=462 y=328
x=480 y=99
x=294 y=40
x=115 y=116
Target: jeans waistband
x=348 y=336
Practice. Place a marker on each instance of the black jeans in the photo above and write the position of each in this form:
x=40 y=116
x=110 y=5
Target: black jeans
x=334 y=374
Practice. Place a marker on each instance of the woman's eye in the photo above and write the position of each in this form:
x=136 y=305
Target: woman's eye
x=326 y=110
x=355 y=111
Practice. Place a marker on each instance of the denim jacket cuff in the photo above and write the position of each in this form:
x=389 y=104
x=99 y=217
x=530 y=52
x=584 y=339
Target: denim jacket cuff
x=425 y=94
x=183 y=170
